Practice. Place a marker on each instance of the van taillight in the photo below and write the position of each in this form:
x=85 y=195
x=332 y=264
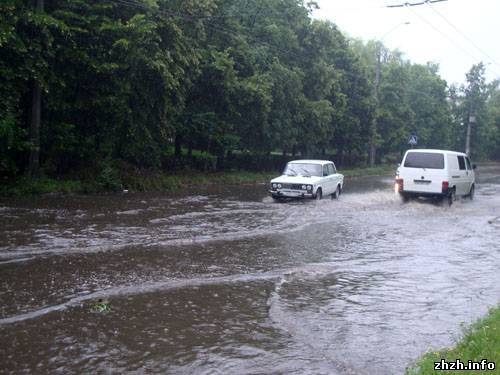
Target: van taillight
x=445 y=186
x=398 y=187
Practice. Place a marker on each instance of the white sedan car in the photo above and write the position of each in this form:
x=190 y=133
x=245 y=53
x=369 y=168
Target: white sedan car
x=308 y=179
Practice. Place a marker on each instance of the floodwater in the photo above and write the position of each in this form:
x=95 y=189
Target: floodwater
x=224 y=280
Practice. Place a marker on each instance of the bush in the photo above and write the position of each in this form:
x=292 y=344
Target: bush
x=109 y=178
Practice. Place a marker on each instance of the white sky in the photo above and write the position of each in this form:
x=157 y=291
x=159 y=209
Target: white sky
x=477 y=20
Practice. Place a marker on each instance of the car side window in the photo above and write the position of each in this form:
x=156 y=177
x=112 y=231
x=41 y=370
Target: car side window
x=461 y=163
x=325 y=170
x=467 y=161
x=332 y=169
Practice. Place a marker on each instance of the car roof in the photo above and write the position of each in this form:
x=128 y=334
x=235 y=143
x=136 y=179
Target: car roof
x=310 y=161
x=436 y=151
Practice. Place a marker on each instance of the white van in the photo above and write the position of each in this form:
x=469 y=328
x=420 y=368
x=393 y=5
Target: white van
x=435 y=173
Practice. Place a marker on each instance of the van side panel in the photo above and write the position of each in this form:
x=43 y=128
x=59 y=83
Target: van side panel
x=454 y=173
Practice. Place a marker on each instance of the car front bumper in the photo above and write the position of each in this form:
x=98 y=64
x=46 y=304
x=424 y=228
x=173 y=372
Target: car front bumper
x=291 y=194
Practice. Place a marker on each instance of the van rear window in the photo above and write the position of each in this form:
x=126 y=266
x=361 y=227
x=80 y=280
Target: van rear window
x=428 y=160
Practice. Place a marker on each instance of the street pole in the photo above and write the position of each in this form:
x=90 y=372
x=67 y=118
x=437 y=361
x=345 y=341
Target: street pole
x=472 y=120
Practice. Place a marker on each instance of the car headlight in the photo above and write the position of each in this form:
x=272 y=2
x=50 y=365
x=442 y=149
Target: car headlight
x=309 y=187
x=304 y=187
x=275 y=186
x=279 y=186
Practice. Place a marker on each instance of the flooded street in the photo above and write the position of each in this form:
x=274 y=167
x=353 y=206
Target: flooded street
x=224 y=280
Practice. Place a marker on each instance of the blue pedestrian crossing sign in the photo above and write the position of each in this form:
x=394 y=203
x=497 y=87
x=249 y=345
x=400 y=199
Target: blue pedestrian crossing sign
x=413 y=140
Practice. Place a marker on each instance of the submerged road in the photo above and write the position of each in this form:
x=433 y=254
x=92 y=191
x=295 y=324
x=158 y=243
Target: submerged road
x=223 y=280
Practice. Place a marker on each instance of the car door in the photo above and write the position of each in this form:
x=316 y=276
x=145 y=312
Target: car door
x=327 y=180
x=336 y=180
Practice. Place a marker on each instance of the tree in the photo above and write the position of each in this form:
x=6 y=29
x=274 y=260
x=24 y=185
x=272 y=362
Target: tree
x=475 y=99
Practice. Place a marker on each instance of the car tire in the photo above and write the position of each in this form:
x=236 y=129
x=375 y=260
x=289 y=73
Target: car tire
x=405 y=198
x=471 y=192
x=336 y=195
x=319 y=194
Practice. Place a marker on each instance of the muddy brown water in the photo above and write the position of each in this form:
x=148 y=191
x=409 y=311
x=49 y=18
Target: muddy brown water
x=224 y=280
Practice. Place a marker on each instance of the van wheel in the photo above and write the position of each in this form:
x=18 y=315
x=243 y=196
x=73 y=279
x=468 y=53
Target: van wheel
x=471 y=192
x=405 y=198
x=451 y=197
x=336 y=195
x=319 y=194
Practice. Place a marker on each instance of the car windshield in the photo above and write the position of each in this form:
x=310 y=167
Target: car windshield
x=303 y=169
x=430 y=160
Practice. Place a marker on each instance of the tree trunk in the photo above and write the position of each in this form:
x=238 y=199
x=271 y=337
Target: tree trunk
x=34 y=134
x=373 y=130
x=341 y=156
x=178 y=145
x=36 y=111
x=373 y=148
x=469 y=131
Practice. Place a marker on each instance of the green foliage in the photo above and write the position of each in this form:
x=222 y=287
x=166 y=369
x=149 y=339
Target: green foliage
x=480 y=341
x=493 y=113
x=128 y=82
x=109 y=178
x=42 y=185
x=101 y=307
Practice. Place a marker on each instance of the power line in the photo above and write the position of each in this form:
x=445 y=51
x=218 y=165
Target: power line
x=403 y=5
x=463 y=35
x=443 y=34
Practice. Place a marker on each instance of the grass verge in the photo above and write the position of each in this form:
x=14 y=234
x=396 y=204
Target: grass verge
x=369 y=171
x=144 y=180
x=480 y=341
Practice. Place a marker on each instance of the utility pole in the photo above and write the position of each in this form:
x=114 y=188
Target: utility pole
x=34 y=133
x=373 y=129
x=472 y=120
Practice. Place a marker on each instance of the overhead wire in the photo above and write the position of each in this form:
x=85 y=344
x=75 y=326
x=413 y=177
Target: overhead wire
x=463 y=35
x=407 y=4
x=443 y=34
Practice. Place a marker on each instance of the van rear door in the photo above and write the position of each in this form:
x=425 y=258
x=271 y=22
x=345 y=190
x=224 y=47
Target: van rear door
x=423 y=172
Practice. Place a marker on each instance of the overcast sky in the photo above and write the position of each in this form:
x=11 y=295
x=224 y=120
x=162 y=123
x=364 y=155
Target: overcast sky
x=441 y=32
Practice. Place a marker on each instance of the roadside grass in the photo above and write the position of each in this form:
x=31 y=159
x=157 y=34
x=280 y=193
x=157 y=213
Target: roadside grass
x=175 y=182
x=40 y=185
x=115 y=179
x=368 y=171
x=480 y=341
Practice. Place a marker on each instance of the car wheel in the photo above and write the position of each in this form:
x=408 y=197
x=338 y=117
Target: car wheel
x=319 y=194
x=472 y=191
x=336 y=195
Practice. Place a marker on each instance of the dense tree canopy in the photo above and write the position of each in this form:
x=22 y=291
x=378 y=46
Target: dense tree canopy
x=154 y=83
